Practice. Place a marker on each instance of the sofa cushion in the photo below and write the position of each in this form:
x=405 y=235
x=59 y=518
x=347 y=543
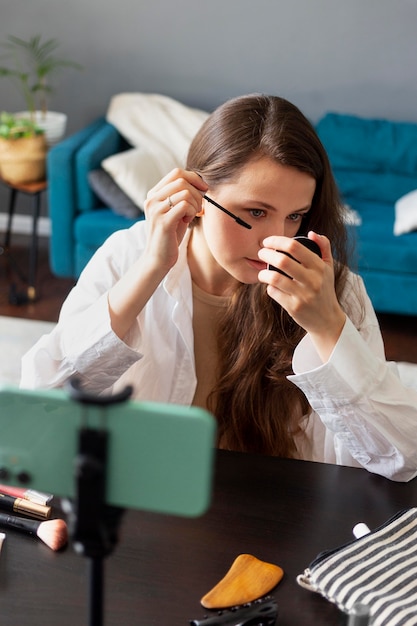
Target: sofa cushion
x=377 y=247
x=111 y=195
x=135 y=171
x=92 y=228
x=406 y=213
x=373 y=145
x=384 y=187
x=105 y=141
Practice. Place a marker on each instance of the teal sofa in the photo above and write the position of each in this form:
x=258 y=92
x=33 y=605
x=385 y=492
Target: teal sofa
x=80 y=222
x=374 y=162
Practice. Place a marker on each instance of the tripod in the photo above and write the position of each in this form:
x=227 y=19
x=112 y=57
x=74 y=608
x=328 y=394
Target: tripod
x=94 y=524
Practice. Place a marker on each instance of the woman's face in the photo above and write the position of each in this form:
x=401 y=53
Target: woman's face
x=272 y=198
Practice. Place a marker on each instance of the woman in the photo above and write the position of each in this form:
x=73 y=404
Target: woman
x=186 y=307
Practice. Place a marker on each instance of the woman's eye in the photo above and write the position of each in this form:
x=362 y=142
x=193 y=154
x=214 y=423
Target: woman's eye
x=295 y=217
x=257 y=212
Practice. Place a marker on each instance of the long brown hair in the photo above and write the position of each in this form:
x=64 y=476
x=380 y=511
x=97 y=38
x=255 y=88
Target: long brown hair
x=257 y=408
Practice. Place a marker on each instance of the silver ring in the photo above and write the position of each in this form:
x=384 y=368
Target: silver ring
x=170 y=202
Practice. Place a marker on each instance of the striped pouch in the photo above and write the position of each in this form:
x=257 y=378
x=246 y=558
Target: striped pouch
x=378 y=570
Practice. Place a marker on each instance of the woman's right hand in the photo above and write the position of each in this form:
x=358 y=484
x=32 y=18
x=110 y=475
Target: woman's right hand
x=169 y=208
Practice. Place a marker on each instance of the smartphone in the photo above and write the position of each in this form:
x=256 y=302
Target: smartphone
x=160 y=456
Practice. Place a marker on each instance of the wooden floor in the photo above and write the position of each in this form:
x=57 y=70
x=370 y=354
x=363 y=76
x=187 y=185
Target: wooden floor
x=51 y=291
x=399 y=332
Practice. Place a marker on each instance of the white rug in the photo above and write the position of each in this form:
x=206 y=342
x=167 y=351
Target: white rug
x=17 y=335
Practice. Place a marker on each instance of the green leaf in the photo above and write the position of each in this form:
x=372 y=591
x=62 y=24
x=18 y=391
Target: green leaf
x=34 y=62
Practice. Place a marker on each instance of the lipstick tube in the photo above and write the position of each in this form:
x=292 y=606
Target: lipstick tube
x=24 y=507
x=28 y=494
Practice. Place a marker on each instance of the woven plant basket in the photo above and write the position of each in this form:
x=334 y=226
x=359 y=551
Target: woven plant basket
x=23 y=160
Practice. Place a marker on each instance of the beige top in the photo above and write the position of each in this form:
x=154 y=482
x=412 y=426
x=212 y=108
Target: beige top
x=206 y=311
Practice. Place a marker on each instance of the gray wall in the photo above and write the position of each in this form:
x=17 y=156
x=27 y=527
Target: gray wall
x=355 y=56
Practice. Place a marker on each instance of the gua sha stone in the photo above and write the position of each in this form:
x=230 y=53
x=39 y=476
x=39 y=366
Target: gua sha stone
x=247 y=580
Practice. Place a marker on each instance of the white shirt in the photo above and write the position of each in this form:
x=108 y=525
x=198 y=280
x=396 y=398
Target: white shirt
x=362 y=414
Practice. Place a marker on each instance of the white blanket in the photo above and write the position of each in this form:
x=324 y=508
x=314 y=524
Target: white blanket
x=160 y=129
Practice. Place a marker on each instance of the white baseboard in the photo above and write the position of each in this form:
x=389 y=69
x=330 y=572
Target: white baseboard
x=22 y=225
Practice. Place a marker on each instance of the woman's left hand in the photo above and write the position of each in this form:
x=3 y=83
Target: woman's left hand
x=307 y=293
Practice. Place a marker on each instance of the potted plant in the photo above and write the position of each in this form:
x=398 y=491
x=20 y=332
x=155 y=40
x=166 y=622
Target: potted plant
x=22 y=150
x=33 y=64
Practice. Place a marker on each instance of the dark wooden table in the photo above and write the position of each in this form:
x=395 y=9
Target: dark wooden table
x=281 y=511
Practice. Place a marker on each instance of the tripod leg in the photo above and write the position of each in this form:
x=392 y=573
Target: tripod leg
x=96 y=592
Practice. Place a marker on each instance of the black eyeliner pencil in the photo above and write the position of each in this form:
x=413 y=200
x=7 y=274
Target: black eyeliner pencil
x=24 y=507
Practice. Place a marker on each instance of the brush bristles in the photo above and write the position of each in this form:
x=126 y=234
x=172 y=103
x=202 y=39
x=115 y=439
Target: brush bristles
x=54 y=533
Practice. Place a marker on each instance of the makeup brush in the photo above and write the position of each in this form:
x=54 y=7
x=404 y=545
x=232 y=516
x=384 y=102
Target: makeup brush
x=54 y=532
